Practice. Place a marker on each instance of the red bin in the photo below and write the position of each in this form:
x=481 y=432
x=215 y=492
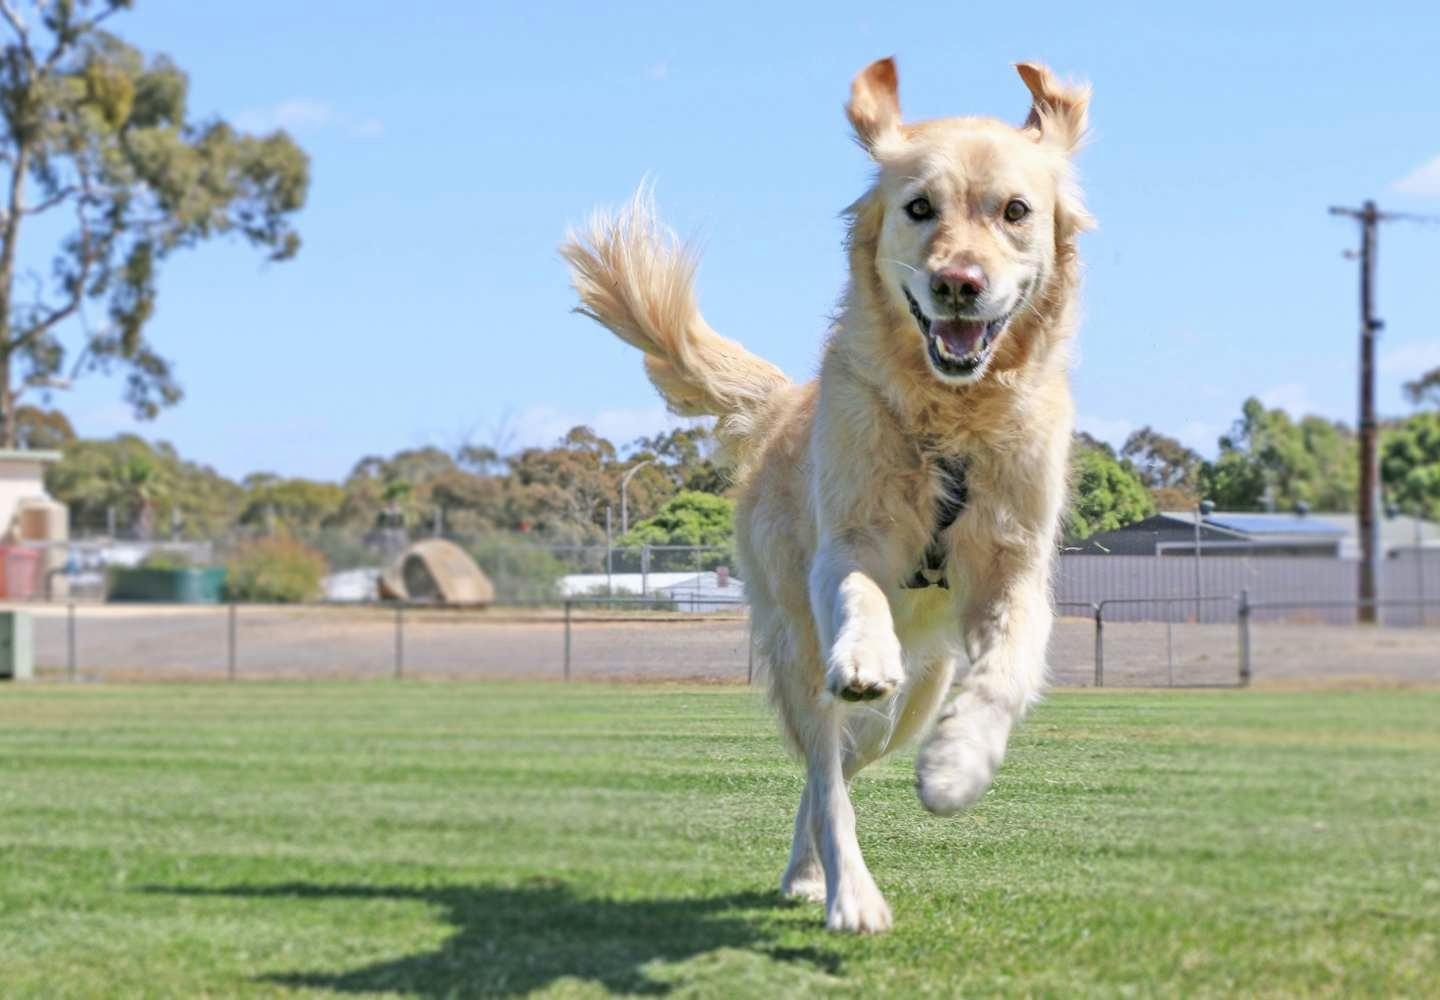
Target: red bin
x=22 y=572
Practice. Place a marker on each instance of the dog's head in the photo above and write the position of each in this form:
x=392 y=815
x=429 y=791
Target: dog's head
x=969 y=217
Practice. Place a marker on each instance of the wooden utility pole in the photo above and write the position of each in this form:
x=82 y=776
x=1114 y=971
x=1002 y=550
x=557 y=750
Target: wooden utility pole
x=1369 y=218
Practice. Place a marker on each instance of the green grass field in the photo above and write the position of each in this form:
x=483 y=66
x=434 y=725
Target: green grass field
x=499 y=839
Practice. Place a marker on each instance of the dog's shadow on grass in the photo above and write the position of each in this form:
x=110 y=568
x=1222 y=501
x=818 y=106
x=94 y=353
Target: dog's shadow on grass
x=511 y=940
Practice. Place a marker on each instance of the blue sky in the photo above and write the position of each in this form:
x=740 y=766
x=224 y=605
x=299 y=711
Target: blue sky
x=453 y=142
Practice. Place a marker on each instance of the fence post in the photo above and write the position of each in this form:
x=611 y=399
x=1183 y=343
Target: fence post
x=567 y=639
x=1100 y=644
x=230 y=644
x=1244 y=617
x=609 y=557
x=70 y=667
x=644 y=569
x=1169 y=646
x=399 y=641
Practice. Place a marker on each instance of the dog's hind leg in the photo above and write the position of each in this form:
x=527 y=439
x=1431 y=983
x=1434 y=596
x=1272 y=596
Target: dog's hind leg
x=804 y=876
x=864 y=741
x=852 y=900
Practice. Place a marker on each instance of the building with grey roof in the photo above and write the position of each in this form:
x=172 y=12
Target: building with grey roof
x=1332 y=536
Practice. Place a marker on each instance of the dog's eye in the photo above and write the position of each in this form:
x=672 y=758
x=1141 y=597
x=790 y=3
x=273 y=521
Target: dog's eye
x=920 y=209
x=1016 y=210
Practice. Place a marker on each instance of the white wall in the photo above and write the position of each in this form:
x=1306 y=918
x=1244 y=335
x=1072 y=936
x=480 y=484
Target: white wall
x=20 y=479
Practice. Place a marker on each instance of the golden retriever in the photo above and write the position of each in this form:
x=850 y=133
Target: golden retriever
x=917 y=484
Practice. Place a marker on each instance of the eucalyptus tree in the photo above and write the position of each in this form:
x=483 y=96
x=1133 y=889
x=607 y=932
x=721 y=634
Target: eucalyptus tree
x=103 y=175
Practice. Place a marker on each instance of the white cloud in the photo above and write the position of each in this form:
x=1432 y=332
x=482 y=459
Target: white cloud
x=367 y=128
x=658 y=71
x=306 y=114
x=1291 y=397
x=1409 y=360
x=103 y=420
x=1423 y=181
x=1111 y=430
x=1202 y=435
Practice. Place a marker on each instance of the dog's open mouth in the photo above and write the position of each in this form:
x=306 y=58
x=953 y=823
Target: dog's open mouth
x=957 y=347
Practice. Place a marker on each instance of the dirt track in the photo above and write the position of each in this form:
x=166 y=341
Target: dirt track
x=137 y=641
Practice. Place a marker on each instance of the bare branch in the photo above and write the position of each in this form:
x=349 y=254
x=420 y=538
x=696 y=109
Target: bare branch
x=18 y=24
x=95 y=21
x=77 y=30
x=79 y=364
x=50 y=202
x=39 y=382
x=59 y=314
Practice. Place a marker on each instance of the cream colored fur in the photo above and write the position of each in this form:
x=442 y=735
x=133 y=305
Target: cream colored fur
x=837 y=477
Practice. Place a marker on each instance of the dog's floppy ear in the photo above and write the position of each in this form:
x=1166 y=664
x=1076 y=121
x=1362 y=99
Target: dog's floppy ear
x=874 y=108
x=1059 y=112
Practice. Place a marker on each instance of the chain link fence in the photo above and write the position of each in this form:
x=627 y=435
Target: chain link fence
x=675 y=612
x=1116 y=642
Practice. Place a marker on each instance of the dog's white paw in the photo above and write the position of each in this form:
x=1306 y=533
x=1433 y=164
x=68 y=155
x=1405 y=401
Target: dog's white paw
x=959 y=760
x=858 y=908
x=865 y=664
x=805 y=882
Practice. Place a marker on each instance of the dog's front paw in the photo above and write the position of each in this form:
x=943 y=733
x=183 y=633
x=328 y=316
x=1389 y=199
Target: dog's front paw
x=858 y=908
x=865 y=664
x=959 y=760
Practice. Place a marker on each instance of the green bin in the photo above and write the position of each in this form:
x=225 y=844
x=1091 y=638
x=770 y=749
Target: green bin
x=168 y=586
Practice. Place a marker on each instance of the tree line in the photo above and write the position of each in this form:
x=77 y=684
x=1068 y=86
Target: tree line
x=1268 y=460
x=558 y=495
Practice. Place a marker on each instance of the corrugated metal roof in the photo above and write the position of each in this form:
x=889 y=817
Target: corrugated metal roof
x=1396 y=533
x=1275 y=524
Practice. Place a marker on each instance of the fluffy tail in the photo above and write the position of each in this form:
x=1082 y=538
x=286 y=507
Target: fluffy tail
x=636 y=278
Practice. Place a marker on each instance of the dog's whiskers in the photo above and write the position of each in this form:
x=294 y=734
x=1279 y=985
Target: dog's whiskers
x=892 y=260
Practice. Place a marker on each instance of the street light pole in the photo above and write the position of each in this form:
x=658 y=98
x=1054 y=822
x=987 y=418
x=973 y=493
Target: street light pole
x=609 y=553
x=624 y=498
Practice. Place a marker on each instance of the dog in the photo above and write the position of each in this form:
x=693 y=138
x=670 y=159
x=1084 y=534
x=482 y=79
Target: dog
x=918 y=483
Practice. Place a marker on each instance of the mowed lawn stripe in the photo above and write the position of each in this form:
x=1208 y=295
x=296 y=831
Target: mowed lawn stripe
x=498 y=839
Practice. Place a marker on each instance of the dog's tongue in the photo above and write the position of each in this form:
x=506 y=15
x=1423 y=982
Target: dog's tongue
x=960 y=336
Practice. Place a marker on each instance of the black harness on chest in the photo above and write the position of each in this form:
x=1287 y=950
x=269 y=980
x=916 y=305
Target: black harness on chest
x=954 y=495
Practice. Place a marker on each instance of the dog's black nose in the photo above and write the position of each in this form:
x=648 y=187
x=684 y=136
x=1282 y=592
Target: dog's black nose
x=959 y=284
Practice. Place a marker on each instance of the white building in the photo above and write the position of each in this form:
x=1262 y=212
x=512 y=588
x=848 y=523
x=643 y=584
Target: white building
x=690 y=591
x=22 y=478
x=33 y=527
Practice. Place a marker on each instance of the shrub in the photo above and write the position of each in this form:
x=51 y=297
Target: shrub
x=172 y=559
x=519 y=571
x=274 y=570
x=689 y=518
